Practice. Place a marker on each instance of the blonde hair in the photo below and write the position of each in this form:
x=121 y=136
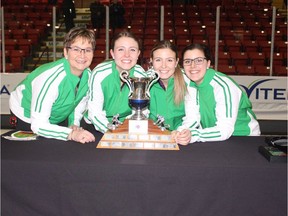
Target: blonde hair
x=179 y=82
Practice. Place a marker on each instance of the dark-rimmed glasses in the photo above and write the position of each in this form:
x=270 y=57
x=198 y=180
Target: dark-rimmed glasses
x=78 y=50
x=197 y=61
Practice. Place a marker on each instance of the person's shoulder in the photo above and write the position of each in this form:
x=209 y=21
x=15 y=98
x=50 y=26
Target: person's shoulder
x=186 y=79
x=226 y=78
x=49 y=69
x=50 y=65
x=103 y=66
x=138 y=69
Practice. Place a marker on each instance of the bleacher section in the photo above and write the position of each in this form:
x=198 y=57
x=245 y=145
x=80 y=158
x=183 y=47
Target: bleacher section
x=26 y=24
x=244 y=40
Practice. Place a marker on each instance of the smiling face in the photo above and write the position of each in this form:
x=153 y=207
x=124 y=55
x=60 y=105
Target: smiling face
x=195 y=72
x=125 y=53
x=79 y=60
x=164 y=63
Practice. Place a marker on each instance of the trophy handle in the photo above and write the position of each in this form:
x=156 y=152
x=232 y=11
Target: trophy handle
x=124 y=75
x=155 y=77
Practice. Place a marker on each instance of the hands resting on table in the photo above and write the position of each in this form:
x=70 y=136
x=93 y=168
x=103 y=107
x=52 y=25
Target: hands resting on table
x=78 y=134
x=181 y=137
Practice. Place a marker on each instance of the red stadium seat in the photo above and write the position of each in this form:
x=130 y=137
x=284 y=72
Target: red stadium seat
x=8 y=34
x=250 y=46
x=152 y=33
x=279 y=59
x=17 y=59
x=34 y=35
x=19 y=33
x=27 y=24
x=100 y=44
x=138 y=23
x=195 y=23
x=264 y=46
x=224 y=58
x=11 y=44
x=281 y=46
x=9 y=67
x=15 y=8
x=34 y=16
x=46 y=16
x=9 y=16
x=148 y=44
x=146 y=54
x=280 y=70
x=227 y=69
x=41 y=24
x=198 y=34
x=42 y=8
x=240 y=58
x=182 y=32
x=152 y=22
x=259 y=34
x=138 y=32
x=182 y=43
x=152 y=13
x=25 y=45
x=257 y=58
x=261 y=70
x=246 y=70
x=201 y=41
x=168 y=32
x=21 y=17
x=233 y=45
x=12 y=24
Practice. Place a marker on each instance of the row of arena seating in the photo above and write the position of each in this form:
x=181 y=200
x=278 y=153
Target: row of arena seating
x=245 y=34
x=252 y=70
x=26 y=23
x=244 y=28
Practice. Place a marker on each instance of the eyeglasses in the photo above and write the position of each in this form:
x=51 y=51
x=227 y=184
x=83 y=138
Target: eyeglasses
x=78 y=50
x=197 y=61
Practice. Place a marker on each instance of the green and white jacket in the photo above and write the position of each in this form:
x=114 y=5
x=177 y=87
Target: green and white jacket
x=107 y=97
x=49 y=95
x=162 y=103
x=217 y=109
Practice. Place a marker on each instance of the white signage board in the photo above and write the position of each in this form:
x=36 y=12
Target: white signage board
x=267 y=94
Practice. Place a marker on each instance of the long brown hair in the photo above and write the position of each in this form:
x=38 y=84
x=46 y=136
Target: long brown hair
x=179 y=83
x=125 y=33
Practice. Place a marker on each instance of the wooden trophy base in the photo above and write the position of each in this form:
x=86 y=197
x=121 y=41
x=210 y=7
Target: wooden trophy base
x=152 y=129
x=120 y=138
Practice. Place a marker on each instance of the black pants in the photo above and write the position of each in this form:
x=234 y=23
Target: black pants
x=88 y=127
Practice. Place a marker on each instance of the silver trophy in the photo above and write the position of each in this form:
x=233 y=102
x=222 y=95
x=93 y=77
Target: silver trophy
x=114 y=123
x=139 y=96
x=160 y=122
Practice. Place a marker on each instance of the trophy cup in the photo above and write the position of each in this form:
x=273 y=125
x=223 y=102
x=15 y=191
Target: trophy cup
x=139 y=98
x=138 y=132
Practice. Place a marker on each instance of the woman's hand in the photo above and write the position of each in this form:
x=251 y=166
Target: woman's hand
x=75 y=127
x=81 y=135
x=183 y=137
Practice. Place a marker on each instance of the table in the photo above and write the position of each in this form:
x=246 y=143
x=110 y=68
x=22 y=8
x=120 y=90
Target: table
x=52 y=177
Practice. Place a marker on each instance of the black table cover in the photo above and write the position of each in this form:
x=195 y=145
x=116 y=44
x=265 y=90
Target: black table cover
x=52 y=177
